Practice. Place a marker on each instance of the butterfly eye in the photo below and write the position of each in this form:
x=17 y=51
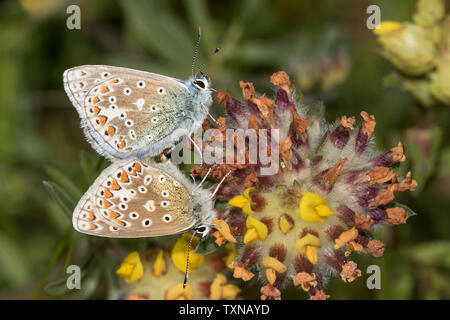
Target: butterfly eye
x=200 y=84
x=201 y=229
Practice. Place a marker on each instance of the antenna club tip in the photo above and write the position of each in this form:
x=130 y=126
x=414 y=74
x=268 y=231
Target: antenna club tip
x=199 y=30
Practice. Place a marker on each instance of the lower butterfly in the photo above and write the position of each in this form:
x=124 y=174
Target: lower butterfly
x=135 y=198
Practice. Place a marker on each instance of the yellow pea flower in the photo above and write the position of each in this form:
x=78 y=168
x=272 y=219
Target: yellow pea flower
x=131 y=268
x=159 y=267
x=221 y=290
x=177 y=292
x=179 y=254
x=255 y=230
x=309 y=246
x=232 y=254
x=387 y=26
x=243 y=201
x=314 y=208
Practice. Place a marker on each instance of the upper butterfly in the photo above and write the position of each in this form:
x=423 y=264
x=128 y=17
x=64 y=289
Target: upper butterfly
x=128 y=113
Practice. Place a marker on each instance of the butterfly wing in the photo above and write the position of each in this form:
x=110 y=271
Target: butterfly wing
x=132 y=199
x=127 y=113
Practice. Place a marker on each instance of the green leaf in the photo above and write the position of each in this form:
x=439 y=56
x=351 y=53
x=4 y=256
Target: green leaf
x=158 y=30
x=316 y=110
x=432 y=253
x=64 y=181
x=14 y=267
x=88 y=166
x=198 y=16
x=207 y=246
x=424 y=146
x=61 y=197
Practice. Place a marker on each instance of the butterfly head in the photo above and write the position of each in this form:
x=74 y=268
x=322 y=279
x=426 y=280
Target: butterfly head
x=204 y=213
x=203 y=82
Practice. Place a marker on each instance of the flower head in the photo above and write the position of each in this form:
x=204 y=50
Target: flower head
x=330 y=189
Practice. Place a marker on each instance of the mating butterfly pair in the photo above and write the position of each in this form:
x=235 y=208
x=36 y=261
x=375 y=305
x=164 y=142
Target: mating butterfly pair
x=130 y=116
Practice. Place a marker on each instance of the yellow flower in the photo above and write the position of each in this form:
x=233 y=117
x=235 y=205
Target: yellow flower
x=243 y=201
x=131 y=268
x=179 y=254
x=255 y=230
x=177 y=292
x=309 y=246
x=314 y=208
x=159 y=267
x=285 y=224
x=232 y=254
x=221 y=290
x=387 y=26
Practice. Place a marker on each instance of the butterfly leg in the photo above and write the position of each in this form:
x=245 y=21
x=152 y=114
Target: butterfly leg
x=212 y=118
x=196 y=147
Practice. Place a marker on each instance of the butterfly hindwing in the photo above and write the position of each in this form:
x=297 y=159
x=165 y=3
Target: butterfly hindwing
x=132 y=199
x=127 y=112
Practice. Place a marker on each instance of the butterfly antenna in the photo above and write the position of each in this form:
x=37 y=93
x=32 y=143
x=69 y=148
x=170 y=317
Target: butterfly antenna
x=218 y=186
x=209 y=60
x=199 y=35
x=186 y=275
x=201 y=182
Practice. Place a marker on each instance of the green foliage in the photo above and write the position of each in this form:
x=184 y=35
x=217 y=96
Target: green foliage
x=327 y=51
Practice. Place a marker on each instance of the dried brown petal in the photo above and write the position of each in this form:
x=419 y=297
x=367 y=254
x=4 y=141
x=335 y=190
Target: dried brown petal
x=350 y=272
x=333 y=173
x=363 y=222
x=396 y=215
x=369 y=124
x=348 y=122
x=375 y=248
x=398 y=153
x=380 y=175
x=282 y=80
x=299 y=122
x=223 y=96
x=248 y=91
x=242 y=273
x=269 y=292
x=305 y=280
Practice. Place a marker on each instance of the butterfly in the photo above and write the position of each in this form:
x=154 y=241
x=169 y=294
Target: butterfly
x=128 y=113
x=135 y=198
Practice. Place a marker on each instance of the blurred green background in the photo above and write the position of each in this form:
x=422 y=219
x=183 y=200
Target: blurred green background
x=325 y=47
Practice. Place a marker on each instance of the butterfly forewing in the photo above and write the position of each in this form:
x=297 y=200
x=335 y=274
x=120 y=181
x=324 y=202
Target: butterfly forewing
x=133 y=199
x=127 y=112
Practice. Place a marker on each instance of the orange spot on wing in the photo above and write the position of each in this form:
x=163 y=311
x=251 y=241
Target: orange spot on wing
x=95 y=100
x=104 y=89
x=115 y=185
x=138 y=167
x=114 y=81
x=120 y=223
x=102 y=120
x=91 y=217
x=92 y=226
x=108 y=193
x=113 y=215
x=106 y=204
x=111 y=131
x=124 y=176
x=96 y=110
x=122 y=144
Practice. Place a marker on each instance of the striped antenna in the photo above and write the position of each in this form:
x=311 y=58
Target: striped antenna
x=187 y=260
x=196 y=49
